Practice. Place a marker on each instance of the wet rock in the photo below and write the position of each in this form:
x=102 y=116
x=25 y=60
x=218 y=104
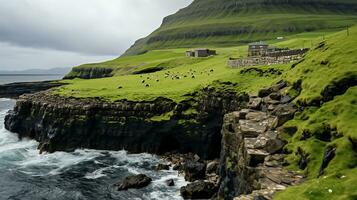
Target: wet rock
x=198 y=190
x=328 y=156
x=212 y=167
x=135 y=181
x=170 y=182
x=162 y=167
x=194 y=171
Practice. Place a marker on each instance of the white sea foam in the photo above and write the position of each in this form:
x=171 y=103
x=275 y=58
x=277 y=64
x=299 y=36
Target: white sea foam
x=22 y=156
x=98 y=173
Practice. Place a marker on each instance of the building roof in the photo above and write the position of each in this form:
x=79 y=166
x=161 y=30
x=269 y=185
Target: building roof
x=260 y=43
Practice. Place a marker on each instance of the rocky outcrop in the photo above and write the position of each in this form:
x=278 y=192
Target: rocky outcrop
x=198 y=190
x=14 y=90
x=89 y=73
x=64 y=124
x=251 y=165
x=135 y=181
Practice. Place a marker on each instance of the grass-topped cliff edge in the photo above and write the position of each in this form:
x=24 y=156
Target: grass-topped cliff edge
x=329 y=116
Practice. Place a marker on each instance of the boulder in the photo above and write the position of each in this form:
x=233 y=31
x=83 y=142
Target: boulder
x=162 y=167
x=194 y=171
x=275 y=96
x=135 y=181
x=251 y=128
x=170 y=182
x=198 y=190
x=212 y=167
x=254 y=103
x=284 y=112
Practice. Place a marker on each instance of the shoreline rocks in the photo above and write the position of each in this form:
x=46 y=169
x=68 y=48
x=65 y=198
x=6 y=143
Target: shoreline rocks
x=14 y=90
x=135 y=181
x=199 y=190
x=63 y=124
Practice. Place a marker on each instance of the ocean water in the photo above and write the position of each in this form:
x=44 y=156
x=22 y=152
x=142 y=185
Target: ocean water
x=10 y=78
x=81 y=175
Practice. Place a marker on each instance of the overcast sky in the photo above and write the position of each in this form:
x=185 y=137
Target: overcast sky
x=66 y=33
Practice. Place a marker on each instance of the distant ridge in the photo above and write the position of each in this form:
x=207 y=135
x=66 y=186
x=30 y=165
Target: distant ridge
x=230 y=22
x=52 y=71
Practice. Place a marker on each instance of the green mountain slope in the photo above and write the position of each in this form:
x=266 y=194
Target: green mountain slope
x=230 y=22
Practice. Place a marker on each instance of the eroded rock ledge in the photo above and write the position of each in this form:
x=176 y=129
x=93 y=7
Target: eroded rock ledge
x=252 y=159
x=159 y=126
x=14 y=90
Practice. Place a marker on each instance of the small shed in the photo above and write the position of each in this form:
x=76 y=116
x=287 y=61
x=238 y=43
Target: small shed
x=257 y=49
x=203 y=52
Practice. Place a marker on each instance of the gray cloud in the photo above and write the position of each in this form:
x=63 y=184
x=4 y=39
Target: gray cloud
x=98 y=28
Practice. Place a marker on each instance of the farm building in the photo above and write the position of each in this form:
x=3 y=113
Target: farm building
x=257 y=49
x=200 y=53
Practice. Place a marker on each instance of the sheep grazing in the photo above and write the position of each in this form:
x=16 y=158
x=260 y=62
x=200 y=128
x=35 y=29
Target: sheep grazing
x=157 y=80
x=147 y=85
x=120 y=87
x=143 y=81
x=211 y=71
x=193 y=77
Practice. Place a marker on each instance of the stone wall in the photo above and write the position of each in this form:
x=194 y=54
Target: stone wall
x=281 y=57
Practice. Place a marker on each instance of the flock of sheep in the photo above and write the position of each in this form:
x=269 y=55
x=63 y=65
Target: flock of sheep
x=173 y=76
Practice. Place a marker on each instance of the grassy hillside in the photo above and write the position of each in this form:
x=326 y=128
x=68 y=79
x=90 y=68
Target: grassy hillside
x=232 y=22
x=332 y=64
x=325 y=84
x=172 y=63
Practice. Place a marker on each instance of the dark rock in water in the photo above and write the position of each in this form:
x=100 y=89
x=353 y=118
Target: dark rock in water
x=170 y=182
x=328 y=156
x=177 y=167
x=136 y=181
x=194 y=171
x=162 y=167
x=212 y=167
x=198 y=190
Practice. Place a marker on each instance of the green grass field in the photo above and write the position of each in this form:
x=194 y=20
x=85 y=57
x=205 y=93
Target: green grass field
x=181 y=75
x=334 y=60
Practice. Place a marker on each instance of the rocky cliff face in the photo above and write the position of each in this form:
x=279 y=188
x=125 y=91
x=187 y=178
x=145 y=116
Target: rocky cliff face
x=160 y=126
x=252 y=160
x=89 y=73
x=14 y=90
